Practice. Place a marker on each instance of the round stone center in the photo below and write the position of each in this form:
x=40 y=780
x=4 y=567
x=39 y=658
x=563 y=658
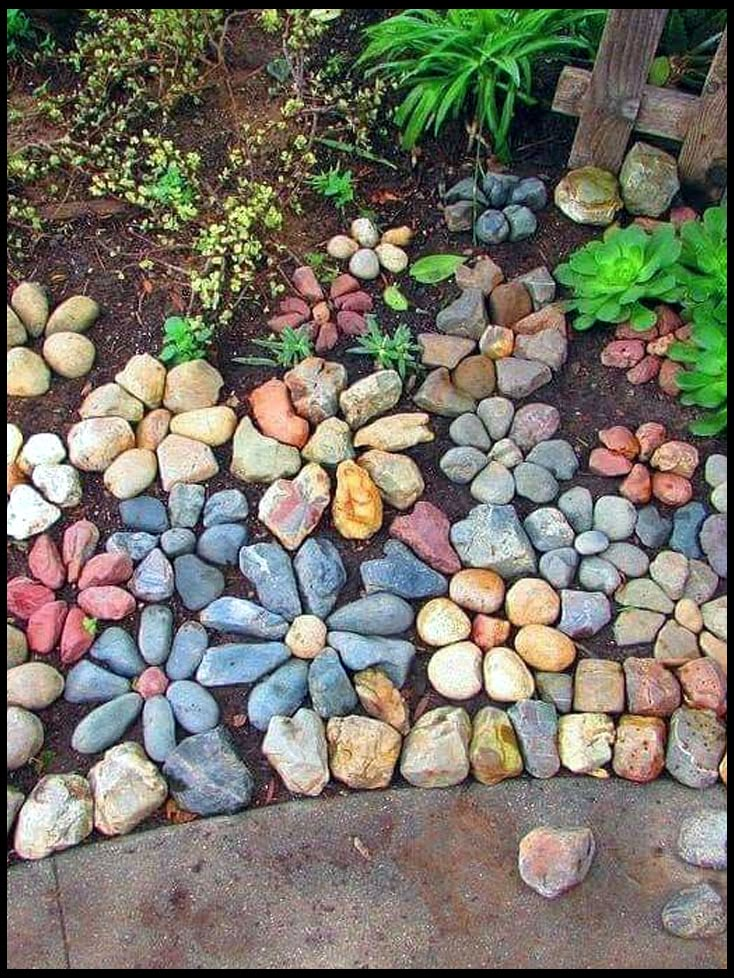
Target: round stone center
x=306 y=637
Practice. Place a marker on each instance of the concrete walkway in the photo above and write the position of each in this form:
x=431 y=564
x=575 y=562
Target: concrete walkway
x=398 y=879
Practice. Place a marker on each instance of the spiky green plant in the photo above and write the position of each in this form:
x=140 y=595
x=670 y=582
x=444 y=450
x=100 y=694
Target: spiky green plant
x=477 y=61
x=288 y=349
x=398 y=352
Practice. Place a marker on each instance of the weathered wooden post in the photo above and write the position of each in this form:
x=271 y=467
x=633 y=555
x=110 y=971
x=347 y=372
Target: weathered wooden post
x=614 y=100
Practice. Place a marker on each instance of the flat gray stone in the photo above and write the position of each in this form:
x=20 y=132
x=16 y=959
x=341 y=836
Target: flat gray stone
x=239 y=616
x=237 y=663
x=493 y=537
x=268 y=567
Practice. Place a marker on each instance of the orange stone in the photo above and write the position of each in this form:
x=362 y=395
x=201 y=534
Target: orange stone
x=357 y=509
x=678 y=457
x=637 y=487
x=489 y=633
x=153 y=429
x=671 y=490
x=650 y=437
x=620 y=440
x=639 y=748
x=274 y=414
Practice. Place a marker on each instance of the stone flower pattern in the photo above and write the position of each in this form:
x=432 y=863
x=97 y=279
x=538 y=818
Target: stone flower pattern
x=293 y=642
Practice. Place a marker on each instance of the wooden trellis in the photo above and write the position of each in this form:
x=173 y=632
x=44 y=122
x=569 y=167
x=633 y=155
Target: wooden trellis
x=614 y=100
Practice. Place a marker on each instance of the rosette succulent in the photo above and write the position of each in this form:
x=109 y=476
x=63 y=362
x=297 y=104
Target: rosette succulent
x=613 y=280
x=704 y=384
x=703 y=267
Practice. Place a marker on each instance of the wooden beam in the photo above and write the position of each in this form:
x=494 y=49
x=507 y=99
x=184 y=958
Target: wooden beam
x=664 y=112
x=703 y=157
x=627 y=48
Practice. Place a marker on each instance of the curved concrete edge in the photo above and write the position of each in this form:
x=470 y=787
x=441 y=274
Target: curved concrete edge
x=398 y=879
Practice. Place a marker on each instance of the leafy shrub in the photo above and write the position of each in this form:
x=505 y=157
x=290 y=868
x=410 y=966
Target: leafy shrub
x=612 y=279
x=705 y=383
x=450 y=61
x=185 y=338
x=703 y=266
x=288 y=349
x=397 y=352
x=335 y=184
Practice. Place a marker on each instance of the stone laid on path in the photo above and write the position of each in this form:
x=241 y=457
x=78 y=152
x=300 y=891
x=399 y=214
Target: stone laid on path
x=536 y=726
x=696 y=745
x=553 y=861
x=695 y=913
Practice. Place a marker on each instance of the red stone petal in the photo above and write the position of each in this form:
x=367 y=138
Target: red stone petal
x=608 y=464
x=106 y=569
x=351 y=323
x=45 y=563
x=327 y=338
x=356 y=302
x=645 y=371
x=107 y=603
x=25 y=597
x=80 y=542
x=76 y=640
x=305 y=282
x=45 y=627
x=291 y=320
x=623 y=354
x=343 y=285
x=293 y=303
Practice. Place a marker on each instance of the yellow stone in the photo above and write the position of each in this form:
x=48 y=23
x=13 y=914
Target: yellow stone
x=363 y=752
x=532 y=602
x=441 y=622
x=381 y=699
x=357 y=509
x=306 y=637
x=506 y=677
x=494 y=752
x=585 y=743
x=545 y=648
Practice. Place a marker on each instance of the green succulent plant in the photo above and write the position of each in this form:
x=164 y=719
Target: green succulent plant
x=704 y=384
x=703 y=266
x=287 y=350
x=612 y=279
x=398 y=352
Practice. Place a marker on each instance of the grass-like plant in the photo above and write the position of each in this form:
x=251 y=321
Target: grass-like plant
x=185 y=338
x=613 y=278
x=704 y=384
x=19 y=30
x=479 y=62
x=336 y=185
x=287 y=350
x=398 y=352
